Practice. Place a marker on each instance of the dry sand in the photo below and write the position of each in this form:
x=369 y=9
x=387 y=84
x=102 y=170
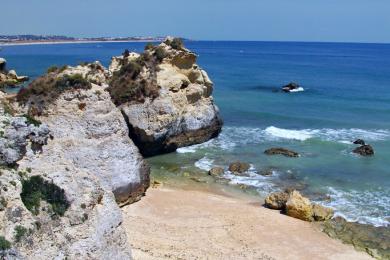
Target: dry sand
x=171 y=223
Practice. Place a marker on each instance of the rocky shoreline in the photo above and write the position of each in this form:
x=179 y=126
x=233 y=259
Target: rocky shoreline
x=73 y=146
x=67 y=154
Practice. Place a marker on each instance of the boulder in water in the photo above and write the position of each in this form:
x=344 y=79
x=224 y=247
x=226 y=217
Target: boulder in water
x=364 y=150
x=291 y=87
x=239 y=168
x=281 y=151
x=359 y=141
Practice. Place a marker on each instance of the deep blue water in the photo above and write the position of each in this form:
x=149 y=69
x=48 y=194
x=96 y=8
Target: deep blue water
x=347 y=96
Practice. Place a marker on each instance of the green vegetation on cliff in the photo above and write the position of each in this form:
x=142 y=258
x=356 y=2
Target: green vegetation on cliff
x=36 y=189
x=51 y=86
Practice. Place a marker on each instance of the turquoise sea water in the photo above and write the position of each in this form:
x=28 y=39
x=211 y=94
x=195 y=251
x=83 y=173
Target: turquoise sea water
x=347 y=96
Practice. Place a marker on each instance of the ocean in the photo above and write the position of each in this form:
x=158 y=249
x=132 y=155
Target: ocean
x=346 y=96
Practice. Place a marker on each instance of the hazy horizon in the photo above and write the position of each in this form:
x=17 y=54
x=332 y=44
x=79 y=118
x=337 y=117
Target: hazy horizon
x=250 y=20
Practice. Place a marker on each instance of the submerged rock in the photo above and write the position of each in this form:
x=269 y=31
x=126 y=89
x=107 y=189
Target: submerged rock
x=281 y=151
x=364 y=150
x=171 y=104
x=239 y=168
x=216 y=171
x=373 y=240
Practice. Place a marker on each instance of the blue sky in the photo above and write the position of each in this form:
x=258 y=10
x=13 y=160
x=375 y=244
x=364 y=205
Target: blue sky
x=272 y=20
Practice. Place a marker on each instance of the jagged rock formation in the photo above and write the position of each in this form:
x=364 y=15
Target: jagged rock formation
x=176 y=107
x=9 y=78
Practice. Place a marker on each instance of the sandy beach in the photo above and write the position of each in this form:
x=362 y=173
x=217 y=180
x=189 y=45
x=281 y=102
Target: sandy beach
x=171 y=223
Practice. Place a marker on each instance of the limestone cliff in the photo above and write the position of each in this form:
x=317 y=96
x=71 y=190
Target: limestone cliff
x=179 y=110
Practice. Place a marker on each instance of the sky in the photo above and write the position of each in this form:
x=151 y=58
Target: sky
x=263 y=20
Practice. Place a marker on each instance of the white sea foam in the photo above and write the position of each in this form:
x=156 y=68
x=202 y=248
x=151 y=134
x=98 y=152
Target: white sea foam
x=189 y=149
x=367 y=207
x=328 y=134
x=204 y=164
x=300 y=135
x=232 y=137
x=300 y=89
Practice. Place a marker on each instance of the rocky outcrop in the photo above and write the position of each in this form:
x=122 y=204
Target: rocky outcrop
x=176 y=107
x=88 y=225
x=9 y=78
x=281 y=151
x=364 y=150
x=91 y=133
x=297 y=206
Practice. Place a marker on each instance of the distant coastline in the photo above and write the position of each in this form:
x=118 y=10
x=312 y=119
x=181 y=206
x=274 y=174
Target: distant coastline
x=12 y=40
x=68 y=42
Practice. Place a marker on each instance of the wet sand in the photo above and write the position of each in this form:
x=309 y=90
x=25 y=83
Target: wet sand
x=172 y=223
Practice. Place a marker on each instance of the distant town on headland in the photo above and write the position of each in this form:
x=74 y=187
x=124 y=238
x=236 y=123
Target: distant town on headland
x=11 y=39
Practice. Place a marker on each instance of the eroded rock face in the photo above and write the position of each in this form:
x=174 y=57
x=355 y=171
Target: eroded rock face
x=182 y=114
x=15 y=134
x=90 y=227
x=91 y=132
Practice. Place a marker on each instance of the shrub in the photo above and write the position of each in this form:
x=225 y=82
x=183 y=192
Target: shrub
x=4 y=244
x=36 y=189
x=160 y=53
x=52 y=69
x=149 y=46
x=8 y=109
x=32 y=121
x=20 y=232
x=131 y=69
x=51 y=85
x=177 y=44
